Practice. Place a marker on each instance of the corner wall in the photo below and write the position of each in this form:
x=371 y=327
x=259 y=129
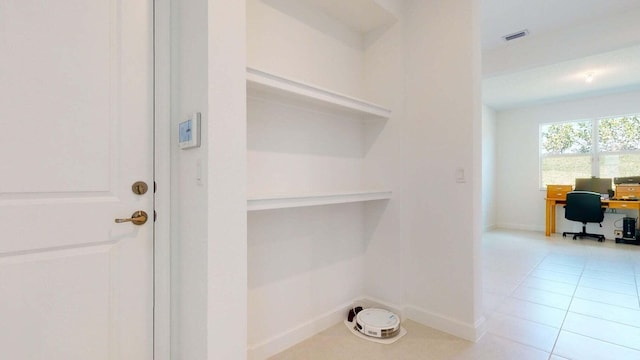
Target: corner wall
x=305 y=265
x=441 y=142
x=385 y=249
x=208 y=200
x=189 y=205
x=488 y=168
x=227 y=181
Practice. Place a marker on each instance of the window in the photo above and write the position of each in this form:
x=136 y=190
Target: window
x=607 y=147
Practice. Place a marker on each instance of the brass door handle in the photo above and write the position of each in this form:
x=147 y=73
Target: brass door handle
x=137 y=218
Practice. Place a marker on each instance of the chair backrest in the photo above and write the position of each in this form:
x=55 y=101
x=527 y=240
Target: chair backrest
x=584 y=206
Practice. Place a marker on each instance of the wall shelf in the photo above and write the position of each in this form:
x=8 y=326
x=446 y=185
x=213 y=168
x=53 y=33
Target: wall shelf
x=262 y=82
x=255 y=203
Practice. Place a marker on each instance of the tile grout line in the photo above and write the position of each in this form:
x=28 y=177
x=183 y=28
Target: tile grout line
x=553 y=348
x=521 y=343
x=510 y=295
x=589 y=263
x=602 y=341
x=635 y=277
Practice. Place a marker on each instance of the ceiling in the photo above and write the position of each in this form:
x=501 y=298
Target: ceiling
x=615 y=70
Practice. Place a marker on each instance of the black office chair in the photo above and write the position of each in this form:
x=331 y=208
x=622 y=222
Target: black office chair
x=585 y=207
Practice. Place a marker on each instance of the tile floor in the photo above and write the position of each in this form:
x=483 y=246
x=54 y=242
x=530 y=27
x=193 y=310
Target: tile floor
x=544 y=298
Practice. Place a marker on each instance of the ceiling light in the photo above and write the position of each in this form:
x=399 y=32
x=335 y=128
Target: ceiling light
x=588 y=77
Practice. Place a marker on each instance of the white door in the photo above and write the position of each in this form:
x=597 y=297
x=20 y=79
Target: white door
x=76 y=121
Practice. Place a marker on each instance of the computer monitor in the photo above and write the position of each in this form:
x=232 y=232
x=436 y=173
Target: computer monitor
x=599 y=185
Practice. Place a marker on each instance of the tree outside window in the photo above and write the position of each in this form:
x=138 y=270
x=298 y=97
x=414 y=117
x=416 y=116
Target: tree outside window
x=607 y=147
x=619 y=145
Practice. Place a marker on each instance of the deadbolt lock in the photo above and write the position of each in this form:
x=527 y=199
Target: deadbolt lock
x=139 y=187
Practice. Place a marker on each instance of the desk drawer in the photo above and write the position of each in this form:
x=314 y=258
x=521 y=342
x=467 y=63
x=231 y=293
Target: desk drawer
x=632 y=205
x=558 y=191
x=627 y=191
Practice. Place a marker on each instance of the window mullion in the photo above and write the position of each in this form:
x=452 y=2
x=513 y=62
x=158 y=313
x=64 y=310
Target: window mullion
x=595 y=152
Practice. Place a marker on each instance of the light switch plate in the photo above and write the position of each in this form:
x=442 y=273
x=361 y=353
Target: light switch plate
x=460 y=177
x=189 y=132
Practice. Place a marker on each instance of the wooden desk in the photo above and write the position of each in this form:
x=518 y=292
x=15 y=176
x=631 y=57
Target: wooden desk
x=550 y=220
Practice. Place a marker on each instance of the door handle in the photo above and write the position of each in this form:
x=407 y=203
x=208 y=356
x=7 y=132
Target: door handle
x=137 y=218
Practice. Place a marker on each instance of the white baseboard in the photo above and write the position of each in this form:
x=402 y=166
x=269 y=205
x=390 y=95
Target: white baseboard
x=285 y=340
x=490 y=227
x=471 y=332
x=526 y=227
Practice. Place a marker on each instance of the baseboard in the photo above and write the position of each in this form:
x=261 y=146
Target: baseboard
x=471 y=332
x=462 y=330
x=510 y=226
x=490 y=227
x=285 y=340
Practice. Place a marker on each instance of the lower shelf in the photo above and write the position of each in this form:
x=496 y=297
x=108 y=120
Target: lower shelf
x=255 y=203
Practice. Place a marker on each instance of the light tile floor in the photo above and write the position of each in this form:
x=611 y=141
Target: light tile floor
x=544 y=298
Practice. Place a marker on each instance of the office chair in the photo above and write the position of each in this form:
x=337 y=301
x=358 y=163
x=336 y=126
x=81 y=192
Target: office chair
x=585 y=207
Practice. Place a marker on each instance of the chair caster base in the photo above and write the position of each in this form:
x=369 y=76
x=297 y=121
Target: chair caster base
x=576 y=236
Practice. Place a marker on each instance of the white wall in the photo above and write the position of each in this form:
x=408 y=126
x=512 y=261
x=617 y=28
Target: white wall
x=292 y=40
x=208 y=239
x=226 y=277
x=517 y=171
x=488 y=168
x=305 y=265
x=386 y=240
x=441 y=135
x=189 y=200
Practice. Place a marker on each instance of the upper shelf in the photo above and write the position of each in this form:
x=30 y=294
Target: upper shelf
x=258 y=80
x=289 y=201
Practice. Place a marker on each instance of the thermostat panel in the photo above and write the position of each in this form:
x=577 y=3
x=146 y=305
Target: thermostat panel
x=189 y=132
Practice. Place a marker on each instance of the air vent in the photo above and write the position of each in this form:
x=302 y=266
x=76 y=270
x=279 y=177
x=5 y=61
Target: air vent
x=516 y=35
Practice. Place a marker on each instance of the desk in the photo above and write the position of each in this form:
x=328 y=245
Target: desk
x=550 y=220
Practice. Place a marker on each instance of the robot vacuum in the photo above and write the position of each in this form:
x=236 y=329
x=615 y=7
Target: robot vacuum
x=377 y=323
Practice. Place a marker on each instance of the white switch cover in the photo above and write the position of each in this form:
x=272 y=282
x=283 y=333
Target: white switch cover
x=460 y=175
x=199 y=172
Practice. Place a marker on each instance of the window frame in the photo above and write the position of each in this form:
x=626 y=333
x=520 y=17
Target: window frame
x=595 y=152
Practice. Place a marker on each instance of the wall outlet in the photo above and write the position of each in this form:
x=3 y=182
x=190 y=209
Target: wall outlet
x=617 y=233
